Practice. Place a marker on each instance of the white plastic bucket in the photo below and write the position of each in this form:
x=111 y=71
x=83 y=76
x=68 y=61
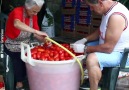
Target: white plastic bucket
x=49 y=30
x=51 y=75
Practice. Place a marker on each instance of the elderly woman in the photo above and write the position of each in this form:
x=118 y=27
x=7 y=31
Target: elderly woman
x=21 y=23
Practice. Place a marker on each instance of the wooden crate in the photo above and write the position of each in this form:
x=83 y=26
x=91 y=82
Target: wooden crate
x=80 y=34
x=93 y=28
x=96 y=15
x=94 y=25
x=82 y=31
x=95 y=22
x=96 y=19
x=68 y=33
x=68 y=11
x=68 y=5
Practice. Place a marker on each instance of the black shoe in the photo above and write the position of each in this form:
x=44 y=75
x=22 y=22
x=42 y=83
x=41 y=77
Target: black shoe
x=85 y=85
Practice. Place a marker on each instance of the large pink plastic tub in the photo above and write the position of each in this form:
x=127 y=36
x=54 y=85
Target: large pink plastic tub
x=51 y=75
x=54 y=77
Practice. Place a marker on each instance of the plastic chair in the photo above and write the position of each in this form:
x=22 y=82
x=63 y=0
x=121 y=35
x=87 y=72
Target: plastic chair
x=110 y=75
x=5 y=59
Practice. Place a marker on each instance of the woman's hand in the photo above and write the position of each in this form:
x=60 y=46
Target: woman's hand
x=40 y=33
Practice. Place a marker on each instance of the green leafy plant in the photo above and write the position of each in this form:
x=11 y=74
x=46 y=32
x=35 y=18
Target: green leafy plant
x=50 y=19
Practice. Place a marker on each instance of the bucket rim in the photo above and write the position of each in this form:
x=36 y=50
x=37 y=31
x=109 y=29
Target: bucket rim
x=80 y=57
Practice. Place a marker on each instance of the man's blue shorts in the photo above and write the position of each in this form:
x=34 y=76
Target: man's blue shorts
x=108 y=60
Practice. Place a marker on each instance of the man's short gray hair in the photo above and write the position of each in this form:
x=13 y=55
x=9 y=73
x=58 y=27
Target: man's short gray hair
x=92 y=1
x=30 y=3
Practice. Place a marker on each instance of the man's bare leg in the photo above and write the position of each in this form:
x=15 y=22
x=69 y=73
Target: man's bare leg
x=94 y=71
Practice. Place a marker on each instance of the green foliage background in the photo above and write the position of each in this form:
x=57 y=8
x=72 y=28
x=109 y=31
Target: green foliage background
x=125 y=2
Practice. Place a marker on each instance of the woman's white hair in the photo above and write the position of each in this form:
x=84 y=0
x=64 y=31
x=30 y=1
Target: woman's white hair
x=30 y=3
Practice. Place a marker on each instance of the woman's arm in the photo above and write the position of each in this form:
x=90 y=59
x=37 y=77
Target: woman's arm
x=22 y=26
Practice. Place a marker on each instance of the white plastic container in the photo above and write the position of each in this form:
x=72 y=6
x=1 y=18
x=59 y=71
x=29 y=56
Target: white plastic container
x=48 y=25
x=49 y=30
x=51 y=75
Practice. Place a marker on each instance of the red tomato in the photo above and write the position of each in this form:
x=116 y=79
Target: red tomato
x=56 y=56
x=52 y=46
x=62 y=58
x=66 y=54
x=51 y=54
x=62 y=55
x=47 y=51
x=34 y=56
x=57 y=49
x=68 y=58
x=40 y=49
x=46 y=55
x=34 y=50
x=38 y=55
x=51 y=59
x=66 y=46
x=43 y=58
x=56 y=59
x=61 y=51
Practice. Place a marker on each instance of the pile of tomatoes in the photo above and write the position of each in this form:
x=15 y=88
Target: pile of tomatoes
x=52 y=53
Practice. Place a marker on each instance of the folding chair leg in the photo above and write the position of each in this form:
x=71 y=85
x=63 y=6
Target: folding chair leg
x=113 y=78
x=110 y=78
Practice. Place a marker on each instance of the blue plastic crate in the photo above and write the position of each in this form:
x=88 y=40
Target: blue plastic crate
x=71 y=2
x=84 y=19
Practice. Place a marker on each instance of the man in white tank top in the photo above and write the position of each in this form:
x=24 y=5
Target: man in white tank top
x=113 y=36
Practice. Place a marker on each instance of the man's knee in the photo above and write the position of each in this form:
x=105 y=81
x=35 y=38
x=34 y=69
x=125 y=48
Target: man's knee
x=91 y=60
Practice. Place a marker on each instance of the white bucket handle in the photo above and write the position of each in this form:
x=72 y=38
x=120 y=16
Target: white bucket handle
x=27 y=58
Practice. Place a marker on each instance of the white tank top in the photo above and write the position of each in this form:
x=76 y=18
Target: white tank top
x=119 y=9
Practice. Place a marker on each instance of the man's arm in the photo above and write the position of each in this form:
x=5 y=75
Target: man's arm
x=93 y=36
x=116 y=25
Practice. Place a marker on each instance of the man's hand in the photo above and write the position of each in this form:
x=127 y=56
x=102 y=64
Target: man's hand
x=78 y=48
x=81 y=41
